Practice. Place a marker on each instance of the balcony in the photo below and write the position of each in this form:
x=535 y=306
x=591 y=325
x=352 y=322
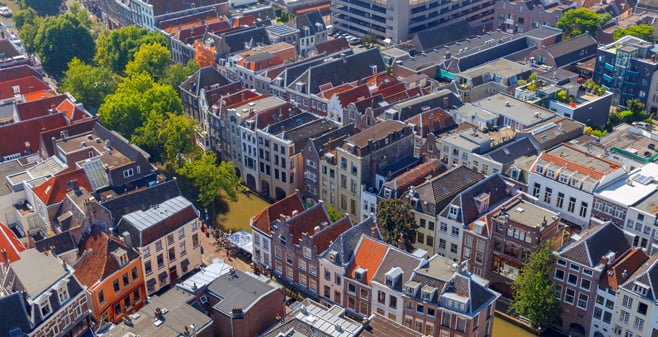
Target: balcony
x=607 y=78
x=609 y=66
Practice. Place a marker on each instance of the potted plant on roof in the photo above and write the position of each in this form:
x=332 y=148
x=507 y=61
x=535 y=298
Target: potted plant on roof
x=572 y=101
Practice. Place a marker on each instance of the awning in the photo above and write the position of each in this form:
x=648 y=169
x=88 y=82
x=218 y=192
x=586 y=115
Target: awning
x=185 y=262
x=446 y=74
x=162 y=275
x=150 y=282
x=242 y=240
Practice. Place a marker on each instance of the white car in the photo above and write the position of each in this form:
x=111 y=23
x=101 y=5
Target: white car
x=5 y=11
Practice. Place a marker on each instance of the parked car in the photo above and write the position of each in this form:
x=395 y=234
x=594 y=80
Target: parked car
x=5 y=11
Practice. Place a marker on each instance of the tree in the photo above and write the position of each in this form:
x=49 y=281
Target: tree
x=152 y=58
x=116 y=47
x=28 y=23
x=209 y=178
x=177 y=73
x=369 y=40
x=577 y=21
x=642 y=31
x=334 y=215
x=561 y=95
x=61 y=39
x=534 y=295
x=88 y=84
x=43 y=7
x=396 y=219
x=134 y=100
x=166 y=136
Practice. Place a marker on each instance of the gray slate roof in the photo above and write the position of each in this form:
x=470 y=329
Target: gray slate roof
x=238 y=289
x=141 y=199
x=345 y=244
x=397 y=258
x=596 y=243
x=440 y=36
x=494 y=185
x=439 y=191
x=37 y=280
x=14 y=315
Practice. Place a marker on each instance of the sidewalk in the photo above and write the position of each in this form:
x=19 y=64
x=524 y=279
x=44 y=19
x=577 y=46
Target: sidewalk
x=212 y=249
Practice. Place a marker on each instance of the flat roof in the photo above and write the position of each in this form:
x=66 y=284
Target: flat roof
x=37 y=271
x=525 y=213
x=630 y=191
x=520 y=111
x=501 y=67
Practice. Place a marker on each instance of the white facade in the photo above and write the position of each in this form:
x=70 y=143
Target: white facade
x=603 y=312
x=331 y=281
x=393 y=303
x=262 y=247
x=635 y=314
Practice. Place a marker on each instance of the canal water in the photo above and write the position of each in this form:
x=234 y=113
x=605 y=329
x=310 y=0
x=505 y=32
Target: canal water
x=503 y=328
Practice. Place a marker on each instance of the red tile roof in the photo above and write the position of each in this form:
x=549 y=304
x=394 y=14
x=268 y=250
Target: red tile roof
x=241 y=98
x=39 y=107
x=17 y=137
x=418 y=174
x=54 y=189
x=325 y=237
x=97 y=262
x=263 y=220
x=369 y=255
x=433 y=121
x=25 y=84
x=577 y=167
x=75 y=128
x=353 y=95
x=17 y=72
x=332 y=46
x=10 y=244
x=615 y=276
x=275 y=114
x=330 y=91
x=307 y=221
x=247 y=20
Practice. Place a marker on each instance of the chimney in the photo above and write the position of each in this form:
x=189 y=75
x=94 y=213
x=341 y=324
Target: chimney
x=373 y=231
x=125 y=237
x=5 y=259
x=401 y=243
x=237 y=312
x=343 y=57
x=373 y=69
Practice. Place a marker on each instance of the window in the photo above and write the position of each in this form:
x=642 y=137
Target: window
x=126 y=280
x=158 y=246
x=455 y=231
x=569 y=296
x=623 y=317
x=393 y=302
x=598 y=312
x=146 y=252
x=585 y=284
x=170 y=239
x=548 y=192
x=582 y=301
x=607 y=317
x=172 y=254
x=573 y=279
x=627 y=302
x=445 y=320
x=160 y=259
x=63 y=294
x=182 y=248
x=147 y=268
x=45 y=308
x=583 y=209
x=128 y=173
x=461 y=324
x=195 y=240
x=134 y=274
x=351 y=288
x=642 y=308
x=559 y=274
x=639 y=324
x=560 y=200
x=572 y=205
x=536 y=189
x=381 y=297
x=443 y=227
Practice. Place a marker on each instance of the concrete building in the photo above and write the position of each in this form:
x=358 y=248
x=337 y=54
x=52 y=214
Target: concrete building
x=167 y=237
x=312 y=319
x=501 y=75
x=518 y=16
x=399 y=20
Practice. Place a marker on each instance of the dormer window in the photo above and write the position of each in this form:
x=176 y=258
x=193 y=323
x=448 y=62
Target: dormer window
x=62 y=291
x=427 y=293
x=540 y=169
x=550 y=173
x=640 y=288
x=515 y=173
x=360 y=274
x=454 y=211
x=121 y=255
x=411 y=288
x=45 y=308
x=393 y=277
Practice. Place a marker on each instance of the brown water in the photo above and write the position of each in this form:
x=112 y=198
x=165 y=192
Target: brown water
x=503 y=328
x=235 y=216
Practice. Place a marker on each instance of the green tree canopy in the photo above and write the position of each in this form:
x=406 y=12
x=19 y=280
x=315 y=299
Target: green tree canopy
x=396 y=219
x=534 y=295
x=178 y=73
x=28 y=23
x=152 y=58
x=134 y=100
x=61 y=39
x=580 y=20
x=43 y=7
x=209 y=178
x=166 y=136
x=88 y=84
x=642 y=31
x=116 y=47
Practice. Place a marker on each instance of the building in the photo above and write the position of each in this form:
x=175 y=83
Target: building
x=361 y=156
x=312 y=30
x=565 y=179
x=113 y=276
x=580 y=265
x=173 y=313
x=565 y=53
x=167 y=238
x=311 y=319
x=298 y=242
x=242 y=306
x=627 y=67
x=518 y=16
x=357 y=287
x=501 y=75
x=261 y=226
x=42 y=297
x=399 y=21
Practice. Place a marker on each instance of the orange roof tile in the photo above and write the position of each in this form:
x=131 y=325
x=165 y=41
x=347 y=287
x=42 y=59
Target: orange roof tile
x=369 y=256
x=310 y=9
x=285 y=206
x=97 y=261
x=10 y=244
x=306 y=221
x=577 y=167
x=615 y=276
x=325 y=237
x=24 y=137
x=54 y=189
x=25 y=85
x=39 y=107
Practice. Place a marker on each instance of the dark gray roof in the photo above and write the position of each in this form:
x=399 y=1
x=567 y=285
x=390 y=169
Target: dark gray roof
x=493 y=53
x=397 y=258
x=439 y=191
x=36 y=280
x=512 y=151
x=596 y=243
x=573 y=50
x=337 y=72
x=331 y=137
x=290 y=123
x=398 y=166
x=493 y=185
x=300 y=135
x=312 y=20
x=141 y=199
x=237 y=289
x=439 y=36
x=14 y=315
x=236 y=41
x=203 y=78
x=345 y=244
x=58 y=244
